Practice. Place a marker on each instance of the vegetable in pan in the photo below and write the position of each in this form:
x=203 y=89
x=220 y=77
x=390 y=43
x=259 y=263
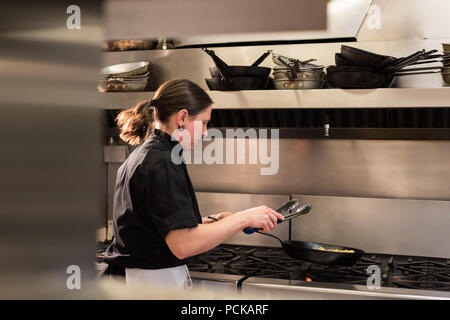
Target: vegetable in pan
x=336 y=250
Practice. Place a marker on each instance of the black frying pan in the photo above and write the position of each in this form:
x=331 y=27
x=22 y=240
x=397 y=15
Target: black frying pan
x=363 y=58
x=353 y=77
x=227 y=82
x=237 y=83
x=239 y=71
x=320 y=253
x=314 y=252
x=340 y=60
x=252 y=71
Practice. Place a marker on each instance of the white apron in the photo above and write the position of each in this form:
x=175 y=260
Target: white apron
x=173 y=278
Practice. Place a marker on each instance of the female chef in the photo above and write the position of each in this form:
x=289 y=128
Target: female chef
x=157 y=223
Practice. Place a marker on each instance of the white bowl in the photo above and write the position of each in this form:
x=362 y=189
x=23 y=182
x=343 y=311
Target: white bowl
x=126 y=69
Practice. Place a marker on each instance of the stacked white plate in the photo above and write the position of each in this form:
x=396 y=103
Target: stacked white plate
x=123 y=77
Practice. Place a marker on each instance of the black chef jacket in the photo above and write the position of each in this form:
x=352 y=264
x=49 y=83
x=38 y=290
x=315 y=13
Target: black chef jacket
x=153 y=196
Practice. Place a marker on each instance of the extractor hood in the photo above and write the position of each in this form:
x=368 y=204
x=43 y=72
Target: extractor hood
x=234 y=21
x=344 y=20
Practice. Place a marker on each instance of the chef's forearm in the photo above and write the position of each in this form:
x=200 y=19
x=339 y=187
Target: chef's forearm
x=192 y=241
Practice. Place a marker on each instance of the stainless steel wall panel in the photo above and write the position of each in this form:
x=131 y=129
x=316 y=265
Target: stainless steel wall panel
x=406 y=169
x=406 y=227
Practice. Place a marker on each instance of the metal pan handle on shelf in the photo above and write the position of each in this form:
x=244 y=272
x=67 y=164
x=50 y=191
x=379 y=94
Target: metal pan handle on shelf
x=222 y=66
x=404 y=62
x=262 y=58
x=397 y=74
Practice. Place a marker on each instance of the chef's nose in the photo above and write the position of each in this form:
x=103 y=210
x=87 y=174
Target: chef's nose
x=205 y=132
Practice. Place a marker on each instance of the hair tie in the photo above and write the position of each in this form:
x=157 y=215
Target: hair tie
x=153 y=102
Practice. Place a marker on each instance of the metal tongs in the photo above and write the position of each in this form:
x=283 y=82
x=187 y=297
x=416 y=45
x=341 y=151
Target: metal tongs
x=289 y=210
x=292 y=209
x=294 y=65
x=285 y=61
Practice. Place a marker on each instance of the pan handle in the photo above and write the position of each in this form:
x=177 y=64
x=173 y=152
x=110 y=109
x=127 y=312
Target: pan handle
x=404 y=62
x=222 y=66
x=414 y=73
x=249 y=230
x=271 y=235
x=262 y=58
x=287 y=63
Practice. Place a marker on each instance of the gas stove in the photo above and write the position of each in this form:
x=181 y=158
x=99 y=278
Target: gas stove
x=267 y=265
x=244 y=270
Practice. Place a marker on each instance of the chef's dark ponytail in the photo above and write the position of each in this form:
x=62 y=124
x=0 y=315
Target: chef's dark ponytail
x=135 y=124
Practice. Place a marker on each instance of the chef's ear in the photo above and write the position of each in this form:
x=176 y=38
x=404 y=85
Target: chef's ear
x=181 y=116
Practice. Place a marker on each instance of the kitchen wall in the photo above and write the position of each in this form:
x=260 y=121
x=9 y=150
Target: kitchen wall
x=406 y=19
x=403 y=169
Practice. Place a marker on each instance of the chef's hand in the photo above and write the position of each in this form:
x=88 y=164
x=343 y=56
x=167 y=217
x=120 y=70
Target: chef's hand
x=261 y=217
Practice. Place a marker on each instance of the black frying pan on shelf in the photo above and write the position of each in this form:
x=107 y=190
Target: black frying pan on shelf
x=387 y=64
x=253 y=71
x=362 y=58
x=237 y=83
x=227 y=79
x=354 y=77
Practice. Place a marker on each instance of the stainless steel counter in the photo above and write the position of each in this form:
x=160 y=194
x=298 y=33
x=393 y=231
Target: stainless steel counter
x=218 y=284
x=269 y=288
x=293 y=289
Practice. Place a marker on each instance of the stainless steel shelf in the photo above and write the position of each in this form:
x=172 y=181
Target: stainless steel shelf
x=310 y=99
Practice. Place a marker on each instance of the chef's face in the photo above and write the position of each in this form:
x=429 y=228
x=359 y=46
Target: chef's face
x=196 y=127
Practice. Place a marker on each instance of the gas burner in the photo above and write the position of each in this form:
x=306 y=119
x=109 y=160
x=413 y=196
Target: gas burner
x=356 y=274
x=217 y=260
x=247 y=261
x=267 y=262
x=421 y=273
